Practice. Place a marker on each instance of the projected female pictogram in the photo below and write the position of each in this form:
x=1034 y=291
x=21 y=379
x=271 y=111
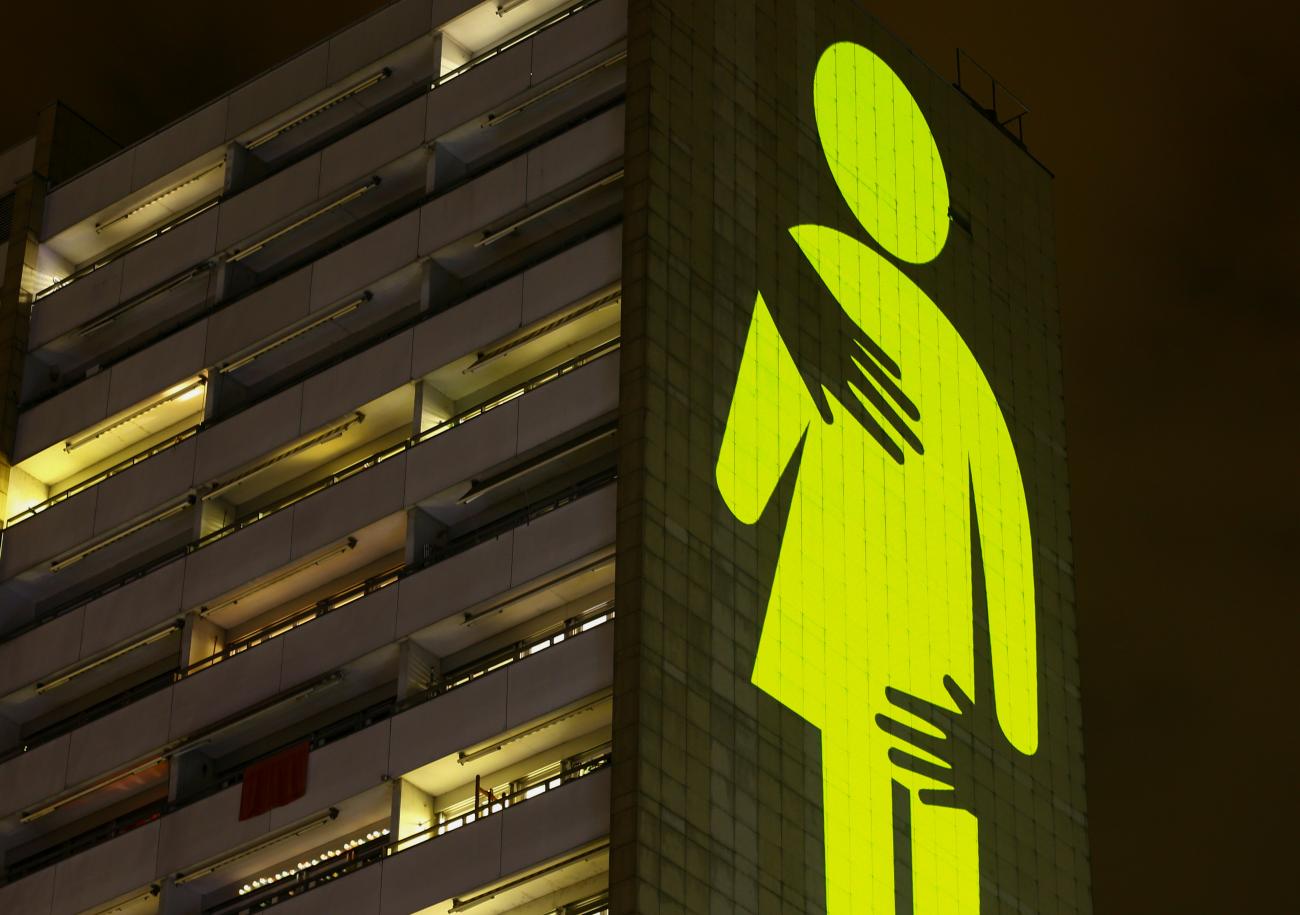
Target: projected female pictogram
x=873 y=585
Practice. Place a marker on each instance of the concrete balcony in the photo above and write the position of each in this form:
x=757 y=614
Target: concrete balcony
x=162 y=723
x=434 y=349
x=172 y=277
x=347 y=774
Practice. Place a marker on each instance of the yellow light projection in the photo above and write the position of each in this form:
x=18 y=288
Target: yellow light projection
x=872 y=587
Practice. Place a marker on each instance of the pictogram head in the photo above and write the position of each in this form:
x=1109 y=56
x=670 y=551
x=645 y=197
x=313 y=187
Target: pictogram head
x=881 y=152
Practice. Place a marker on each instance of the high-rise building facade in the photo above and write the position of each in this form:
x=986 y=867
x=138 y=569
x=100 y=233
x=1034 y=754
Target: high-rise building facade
x=540 y=457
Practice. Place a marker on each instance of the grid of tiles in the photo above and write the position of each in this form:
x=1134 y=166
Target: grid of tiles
x=717 y=787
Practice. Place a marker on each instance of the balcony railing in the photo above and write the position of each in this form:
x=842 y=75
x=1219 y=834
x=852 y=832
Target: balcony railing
x=370 y=114
x=103 y=475
x=337 y=730
x=563 y=772
x=317 y=486
x=322 y=607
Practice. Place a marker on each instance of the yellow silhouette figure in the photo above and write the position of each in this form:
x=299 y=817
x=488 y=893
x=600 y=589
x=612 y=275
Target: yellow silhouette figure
x=873 y=584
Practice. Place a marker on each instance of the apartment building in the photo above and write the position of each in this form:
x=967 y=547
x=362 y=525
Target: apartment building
x=362 y=551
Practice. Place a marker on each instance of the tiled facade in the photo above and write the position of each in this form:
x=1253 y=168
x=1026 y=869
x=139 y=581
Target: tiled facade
x=370 y=413
x=717 y=790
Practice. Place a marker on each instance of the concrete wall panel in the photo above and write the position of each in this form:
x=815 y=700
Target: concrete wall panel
x=338 y=771
x=370 y=39
x=453 y=863
x=75 y=304
x=237 y=559
x=185 y=246
x=555 y=822
x=62 y=416
x=133 y=609
x=265 y=204
x=248 y=435
x=576 y=530
x=454 y=584
x=569 y=276
x=106 y=871
x=353 y=382
x=36 y=654
x=161 y=478
x=473 y=206
x=568 y=402
x=372 y=257
x=205 y=829
x=469 y=326
x=32 y=895
x=258 y=316
x=457 y=455
x=360 y=154
x=226 y=688
x=38 y=773
x=445 y=725
x=49 y=533
x=284 y=87
x=578 y=38
x=118 y=738
x=564 y=673
x=169 y=149
x=151 y=371
x=475 y=93
x=88 y=193
x=339 y=637
x=571 y=156
x=343 y=508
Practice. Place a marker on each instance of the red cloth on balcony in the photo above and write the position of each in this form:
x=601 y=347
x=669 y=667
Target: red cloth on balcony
x=274 y=782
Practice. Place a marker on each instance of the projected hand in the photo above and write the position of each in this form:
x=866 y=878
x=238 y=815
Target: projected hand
x=875 y=379
x=956 y=772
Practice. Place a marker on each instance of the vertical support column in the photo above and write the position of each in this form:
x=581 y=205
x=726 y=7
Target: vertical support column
x=417 y=669
x=200 y=639
x=439 y=288
x=178 y=900
x=64 y=144
x=412 y=811
x=424 y=533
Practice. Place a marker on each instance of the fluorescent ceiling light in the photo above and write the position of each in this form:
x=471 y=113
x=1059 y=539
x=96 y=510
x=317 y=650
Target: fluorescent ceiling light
x=494 y=119
x=491 y=238
x=345 y=309
x=589 y=851
x=483 y=487
x=100 y=227
x=347 y=198
x=149 y=763
x=59 y=565
x=105 y=320
x=570 y=711
x=328 y=435
x=151 y=638
x=594 y=566
x=184 y=392
x=511 y=343
x=184 y=877
x=349 y=92
x=293 y=570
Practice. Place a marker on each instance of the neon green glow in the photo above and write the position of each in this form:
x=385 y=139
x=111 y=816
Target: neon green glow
x=873 y=582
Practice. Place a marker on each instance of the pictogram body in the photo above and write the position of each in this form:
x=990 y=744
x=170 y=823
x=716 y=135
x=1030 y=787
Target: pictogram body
x=873 y=585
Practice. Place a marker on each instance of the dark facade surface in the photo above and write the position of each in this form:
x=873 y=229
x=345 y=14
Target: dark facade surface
x=717 y=787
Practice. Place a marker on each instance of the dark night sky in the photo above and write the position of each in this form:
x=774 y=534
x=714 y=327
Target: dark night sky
x=1174 y=132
